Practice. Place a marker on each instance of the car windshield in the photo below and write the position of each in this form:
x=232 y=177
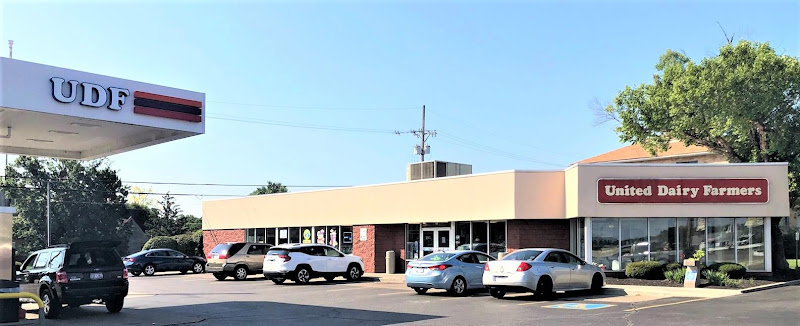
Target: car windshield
x=437 y=257
x=523 y=255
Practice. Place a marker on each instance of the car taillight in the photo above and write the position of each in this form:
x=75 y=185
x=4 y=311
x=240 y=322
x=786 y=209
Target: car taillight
x=408 y=266
x=208 y=256
x=61 y=277
x=523 y=266
x=223 y=256
x=130 y=259
x=125 y=273
x=486 y=267
x=285 y=257
x=439 y=267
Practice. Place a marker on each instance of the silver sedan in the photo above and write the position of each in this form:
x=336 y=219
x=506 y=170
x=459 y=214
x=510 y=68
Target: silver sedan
x=455 y=271
x=541 y=271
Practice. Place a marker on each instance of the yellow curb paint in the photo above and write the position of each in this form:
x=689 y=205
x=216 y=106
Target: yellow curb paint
x=668 y=304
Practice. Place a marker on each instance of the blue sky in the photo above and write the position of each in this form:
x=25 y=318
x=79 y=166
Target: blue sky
x=515 y=78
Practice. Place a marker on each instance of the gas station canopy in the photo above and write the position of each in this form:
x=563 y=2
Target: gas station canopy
x=57 y=112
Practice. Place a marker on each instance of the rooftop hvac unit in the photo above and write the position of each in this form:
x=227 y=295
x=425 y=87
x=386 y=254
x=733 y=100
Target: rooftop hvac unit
x=436 y=169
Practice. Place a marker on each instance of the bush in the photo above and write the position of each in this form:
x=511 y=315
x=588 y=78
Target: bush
x=672 y=266
x=160 y=242
x=197 y=237
x=675 y=275
x=186 y=244
x=720 y=278
x=733 y=270
x=650 y=270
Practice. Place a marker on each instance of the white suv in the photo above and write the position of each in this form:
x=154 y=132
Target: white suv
x=302 y=262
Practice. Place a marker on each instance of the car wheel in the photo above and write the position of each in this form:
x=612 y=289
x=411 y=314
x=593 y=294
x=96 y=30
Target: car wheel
x=240 y=273
x=278 y=280
x=544 y=289
x=52 y=306
x=597 y=284
x=198 y=268
x=329 y=278
x=220 y=276
x=459 y=286
x=353 y=272
x=149 y=270
x=497 y=293
x=420 y=290
x=302 y=275
x=115 y=305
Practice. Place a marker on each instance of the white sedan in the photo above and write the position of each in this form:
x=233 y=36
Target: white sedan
x=541 y=271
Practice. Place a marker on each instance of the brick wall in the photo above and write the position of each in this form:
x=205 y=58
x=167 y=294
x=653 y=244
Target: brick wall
x=211 y=238
x=538 y=233
x=380 y=238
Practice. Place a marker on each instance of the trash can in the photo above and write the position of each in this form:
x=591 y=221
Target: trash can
x=390 y=262
x=9 y=308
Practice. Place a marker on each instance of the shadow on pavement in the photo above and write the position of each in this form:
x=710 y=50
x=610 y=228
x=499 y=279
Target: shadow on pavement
x=229 y=313
x=568 y=296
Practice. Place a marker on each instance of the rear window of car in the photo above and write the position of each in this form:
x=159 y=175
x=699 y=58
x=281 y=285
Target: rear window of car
x=232 y=249
x=92 y=258
x=437 y=257
x=523 y=255
x=277 y=252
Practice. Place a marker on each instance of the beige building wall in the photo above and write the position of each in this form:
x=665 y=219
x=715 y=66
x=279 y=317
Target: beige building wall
x=539 y=194
x=587 y=204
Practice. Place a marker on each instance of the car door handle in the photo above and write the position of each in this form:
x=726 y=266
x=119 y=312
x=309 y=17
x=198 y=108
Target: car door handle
x=552 y=267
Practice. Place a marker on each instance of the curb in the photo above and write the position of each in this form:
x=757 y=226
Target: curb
x=771 y=286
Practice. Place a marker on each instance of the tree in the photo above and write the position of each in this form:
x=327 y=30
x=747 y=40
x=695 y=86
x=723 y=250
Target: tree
x=87 y=202
x=271 y=188
x=743 y=103
x=139 y=197
x=189 y=223
x=165 y=223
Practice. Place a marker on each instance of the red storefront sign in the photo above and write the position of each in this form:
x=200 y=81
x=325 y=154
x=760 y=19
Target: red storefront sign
x=663 y=191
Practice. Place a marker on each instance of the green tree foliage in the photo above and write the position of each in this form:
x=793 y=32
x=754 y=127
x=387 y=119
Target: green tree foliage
x=160 y=242
x=742 y=103
x=164 y=223
x=87 y=202
x=271 y=188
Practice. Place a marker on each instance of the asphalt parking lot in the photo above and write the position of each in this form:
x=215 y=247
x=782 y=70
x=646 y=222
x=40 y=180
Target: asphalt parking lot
x=173 y=299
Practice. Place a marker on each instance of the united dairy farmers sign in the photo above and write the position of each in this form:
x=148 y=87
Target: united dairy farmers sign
x=666 y=191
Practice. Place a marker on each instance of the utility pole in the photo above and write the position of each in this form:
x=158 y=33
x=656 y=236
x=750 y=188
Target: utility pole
x=423 y=134
x=48 y=212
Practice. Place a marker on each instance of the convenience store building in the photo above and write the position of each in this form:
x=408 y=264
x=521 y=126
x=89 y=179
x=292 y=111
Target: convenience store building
x=609 y=214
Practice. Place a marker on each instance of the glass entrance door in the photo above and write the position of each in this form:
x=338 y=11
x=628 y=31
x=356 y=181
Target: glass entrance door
x=435 y=240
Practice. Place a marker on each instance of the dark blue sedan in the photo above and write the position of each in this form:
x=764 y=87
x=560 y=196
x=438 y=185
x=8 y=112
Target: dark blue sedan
x=161 y=260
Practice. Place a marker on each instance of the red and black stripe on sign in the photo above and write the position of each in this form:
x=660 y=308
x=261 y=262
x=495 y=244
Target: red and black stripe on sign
x=167 y=106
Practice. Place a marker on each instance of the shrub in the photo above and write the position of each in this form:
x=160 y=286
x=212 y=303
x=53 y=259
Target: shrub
x=160 y=242
x=733 y=270
x=720 y=278
x=185 y=244
x=197 y=237
x=650 y=270
x=672 y=266
x=675 y=275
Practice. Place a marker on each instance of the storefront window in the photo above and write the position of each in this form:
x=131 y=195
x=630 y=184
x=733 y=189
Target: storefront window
x=412 y=241
x=480 y=233
x=497 y=238
x=283 y=235
x=720 y=240
x=320 y=234
x=306 y=234
x=662 y=240
x=633 y=240
x=691 y=237
x=462 y=235
x=261 y=235
x=605 y=242
x=750 y=242
x=251 y=235
x=347 y=239
x=294 y=235
x=271 y=236
x=581 y=237
x=333 y=236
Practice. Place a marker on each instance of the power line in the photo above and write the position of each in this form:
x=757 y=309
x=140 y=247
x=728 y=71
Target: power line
x=314 y=107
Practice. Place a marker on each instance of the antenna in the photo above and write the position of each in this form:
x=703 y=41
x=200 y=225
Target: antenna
x=423 y=134
x=10 y=48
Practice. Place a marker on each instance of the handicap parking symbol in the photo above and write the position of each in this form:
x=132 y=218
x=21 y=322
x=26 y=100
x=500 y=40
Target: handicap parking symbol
x=580 y=306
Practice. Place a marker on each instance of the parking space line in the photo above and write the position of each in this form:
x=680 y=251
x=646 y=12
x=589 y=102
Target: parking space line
x=345 y=289
x=529 y=303
x=666 y=304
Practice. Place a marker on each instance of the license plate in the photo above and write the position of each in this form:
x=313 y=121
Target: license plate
x=215 y=256
x=96 y=276
x=419 y=270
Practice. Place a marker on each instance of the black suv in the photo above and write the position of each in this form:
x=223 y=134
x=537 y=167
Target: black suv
x=75 y=274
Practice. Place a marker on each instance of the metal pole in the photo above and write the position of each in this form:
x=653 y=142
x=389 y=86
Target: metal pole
x=48 y=213
x=422 y=152
x=796 y=240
